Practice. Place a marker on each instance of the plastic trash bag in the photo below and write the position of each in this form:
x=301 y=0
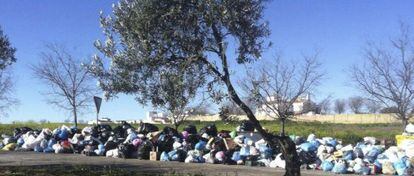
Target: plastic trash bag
x=400 y=167
x=201 y=145
x=236 y=156
x=327 y=166
x=308 y=147
x=164 y=156
x=191 y=129
x=370 y=140
x=311 y=137
x=409 y=128
x=358 y=153
x=245 y=151
x=388 y=168
x=339 y=167
x=246 y=126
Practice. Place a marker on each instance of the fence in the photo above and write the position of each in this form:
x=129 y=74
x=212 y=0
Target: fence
x=334 y=118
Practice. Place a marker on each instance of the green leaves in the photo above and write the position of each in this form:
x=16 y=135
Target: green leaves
x=6 y=51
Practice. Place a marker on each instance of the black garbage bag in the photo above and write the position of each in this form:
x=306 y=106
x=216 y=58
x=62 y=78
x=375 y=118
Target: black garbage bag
x=191 y=141
x=144 y=150
x=103 y=136
x=165 y=143
x=224 y=134
x=191 y=129
x=299 y=140
x=109 y=145
x=229 y=154
x=170 y=131
x=127 y=151
x=89 y=150
x=145 y=128
x=211 y=130
x=104 y=127
x=17 y=132
x=307 y=157
x=218 y=144
x=246 y=126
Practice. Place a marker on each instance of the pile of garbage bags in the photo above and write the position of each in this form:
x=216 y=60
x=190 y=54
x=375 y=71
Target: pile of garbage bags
x=242 y=146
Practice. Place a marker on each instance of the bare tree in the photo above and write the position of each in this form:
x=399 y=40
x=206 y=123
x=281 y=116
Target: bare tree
x=325 y=105
x=372 y=106
x=355 y=104
x=277 y=85
x=339 y=106
x=201 y=109
x=7 y=58
x=232 y=108
x=387 y=75
x=70 y=85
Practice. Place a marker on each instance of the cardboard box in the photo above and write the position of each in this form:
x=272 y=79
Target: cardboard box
x=153 y=156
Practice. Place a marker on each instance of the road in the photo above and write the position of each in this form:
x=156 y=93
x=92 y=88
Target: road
x=33 y=160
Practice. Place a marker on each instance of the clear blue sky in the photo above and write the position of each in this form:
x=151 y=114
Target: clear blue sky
x=338 y=28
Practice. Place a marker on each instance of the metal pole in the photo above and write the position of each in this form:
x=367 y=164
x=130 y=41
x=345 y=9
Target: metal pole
x=97 y=117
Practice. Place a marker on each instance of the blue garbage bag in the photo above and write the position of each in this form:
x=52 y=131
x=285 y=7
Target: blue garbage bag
x=308 y=147
x=267 y=154
x=372 y=155
x=173 y=155
x=358 y=153
x=51 y=142
x=366 y=170
x=200 y=159
x=164 y=156
x=245 y=151
x=236 y=156
x=348 y=155
x=332 y=142
x=38 y=148
x=48 y=150
x=327 y=166
x=201 y=145
x=315 y=143
x=63 y=135
x=400 y=167
x=20 y=141
x=339 y=168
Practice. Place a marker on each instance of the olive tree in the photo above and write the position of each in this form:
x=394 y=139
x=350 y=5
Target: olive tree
x=387 y=75
x=145 y=37
x=175 y=90
x=7 y=58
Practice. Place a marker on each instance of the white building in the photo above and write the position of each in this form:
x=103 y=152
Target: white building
x=157 y=117
x=296 y=108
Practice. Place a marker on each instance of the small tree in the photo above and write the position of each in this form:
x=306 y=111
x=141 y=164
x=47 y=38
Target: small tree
x=7 y=58
x=372 y=106
x=339 y=106
x=232 y=108
x=387 y=76
x=325 y=105
x=203 y=108
x=70 y=85
x=355 y=104
x=277 y=85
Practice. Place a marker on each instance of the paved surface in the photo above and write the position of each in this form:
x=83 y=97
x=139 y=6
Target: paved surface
x=33 y=159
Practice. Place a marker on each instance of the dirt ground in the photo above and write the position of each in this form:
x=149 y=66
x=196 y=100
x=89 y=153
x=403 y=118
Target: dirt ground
x=23 y=163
